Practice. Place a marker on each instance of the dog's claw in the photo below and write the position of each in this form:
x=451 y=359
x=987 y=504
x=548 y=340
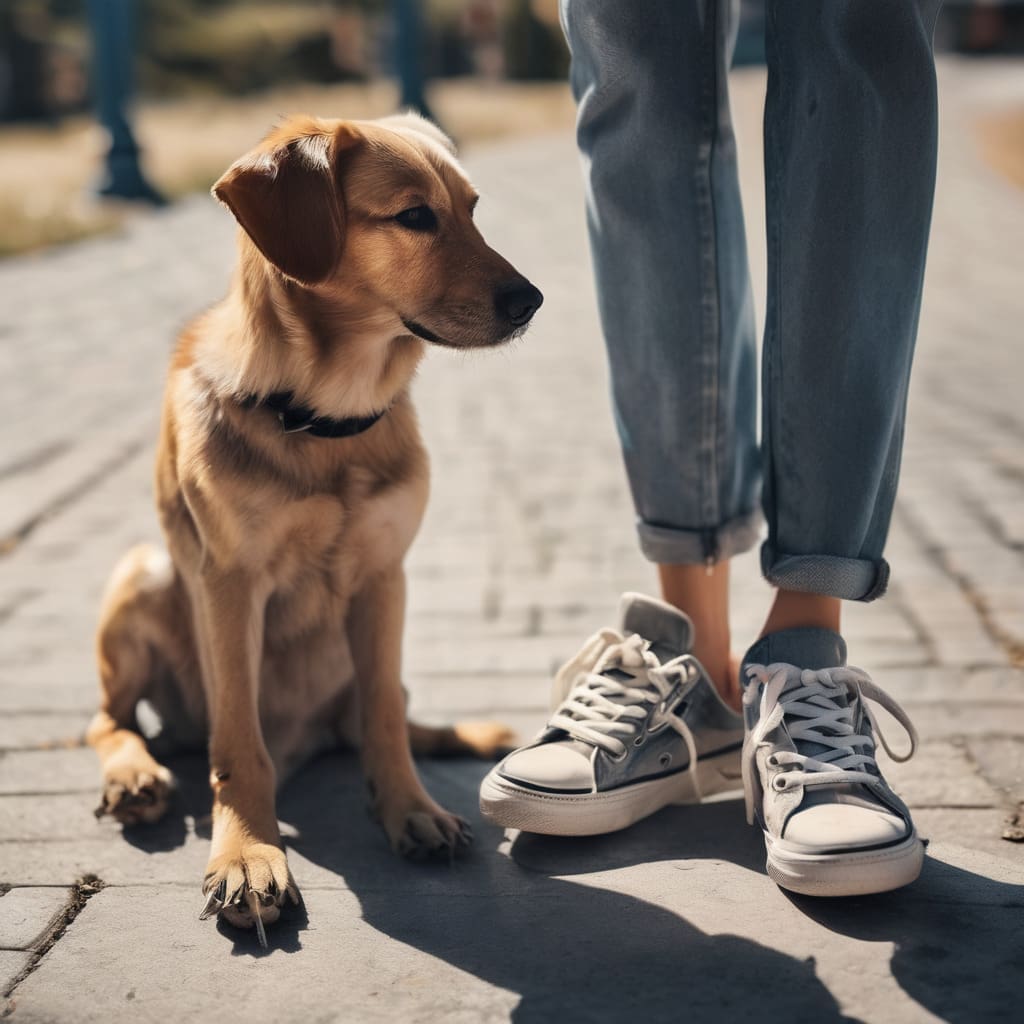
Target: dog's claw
x=248 y=890
x=254 y=910
x=213 y=905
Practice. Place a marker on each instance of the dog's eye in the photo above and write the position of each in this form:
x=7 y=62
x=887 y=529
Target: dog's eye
x=418 y=218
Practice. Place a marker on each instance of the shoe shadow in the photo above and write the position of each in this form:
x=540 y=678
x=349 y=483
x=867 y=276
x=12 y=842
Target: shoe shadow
x=956 y=933
x=571 y=951
x=509 y=913
x=957 y=938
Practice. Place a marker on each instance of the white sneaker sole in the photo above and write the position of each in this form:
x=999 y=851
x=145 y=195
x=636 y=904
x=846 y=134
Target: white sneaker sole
x=509 y=805
x=857 y=873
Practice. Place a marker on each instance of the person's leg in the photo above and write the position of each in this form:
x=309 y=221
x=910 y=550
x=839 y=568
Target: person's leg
x=638 y=722
x=669 y=253
x=850 y=148
x=703 y=593
x=794 y=609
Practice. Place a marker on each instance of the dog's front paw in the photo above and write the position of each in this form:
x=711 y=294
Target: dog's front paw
x=135 y=793
x=419 y=829
x=248 y=888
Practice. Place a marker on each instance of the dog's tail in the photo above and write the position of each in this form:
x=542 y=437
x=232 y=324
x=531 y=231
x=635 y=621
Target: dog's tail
x=486 y=740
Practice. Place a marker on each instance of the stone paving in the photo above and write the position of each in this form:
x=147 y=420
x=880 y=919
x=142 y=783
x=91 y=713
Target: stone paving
x=527 y=544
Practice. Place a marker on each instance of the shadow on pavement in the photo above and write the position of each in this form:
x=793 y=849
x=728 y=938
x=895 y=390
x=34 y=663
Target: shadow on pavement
x=189 y=800
x=958 y=946
x=574 y=951
x=570 y=951
x=282 y=935
x=190 y=804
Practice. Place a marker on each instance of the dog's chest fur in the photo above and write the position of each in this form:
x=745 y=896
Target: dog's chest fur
x=333 y=545
x=311 y=520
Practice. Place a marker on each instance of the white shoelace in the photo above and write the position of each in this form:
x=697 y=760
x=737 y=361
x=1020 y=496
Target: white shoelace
x=603 y=712
x=813 y=715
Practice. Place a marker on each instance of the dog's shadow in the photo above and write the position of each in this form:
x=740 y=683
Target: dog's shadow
x=510 y=913
x=577 y=951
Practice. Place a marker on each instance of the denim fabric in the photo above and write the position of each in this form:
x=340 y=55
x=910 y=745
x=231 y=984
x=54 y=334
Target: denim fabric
x=850 y=143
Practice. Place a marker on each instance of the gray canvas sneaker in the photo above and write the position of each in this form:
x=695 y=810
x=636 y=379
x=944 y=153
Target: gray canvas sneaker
x=832 y=826
x=637 y=726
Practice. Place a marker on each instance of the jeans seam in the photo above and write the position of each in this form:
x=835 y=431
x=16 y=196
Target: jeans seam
x=771 y=355
x=710 y=318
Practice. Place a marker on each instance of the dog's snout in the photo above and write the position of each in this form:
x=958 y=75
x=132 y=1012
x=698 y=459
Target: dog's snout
x=517 y=301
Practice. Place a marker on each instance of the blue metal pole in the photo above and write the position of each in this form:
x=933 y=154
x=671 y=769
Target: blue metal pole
x=408 y=56
x=113 y=50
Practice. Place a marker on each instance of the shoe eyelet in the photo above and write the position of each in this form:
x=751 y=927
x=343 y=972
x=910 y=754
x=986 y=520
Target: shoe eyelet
x=639 y=741
x=780 y=783
x=618 y=758
x=665 y=760
x=772 y=761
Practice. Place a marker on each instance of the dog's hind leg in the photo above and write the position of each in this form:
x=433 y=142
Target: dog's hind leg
x=486 y=740
x=137 y=609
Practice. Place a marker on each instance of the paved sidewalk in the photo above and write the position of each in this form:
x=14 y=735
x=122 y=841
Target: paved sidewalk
x=527 y=544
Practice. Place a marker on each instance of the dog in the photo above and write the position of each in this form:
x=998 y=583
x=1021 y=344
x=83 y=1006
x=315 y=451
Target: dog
x=290 y=482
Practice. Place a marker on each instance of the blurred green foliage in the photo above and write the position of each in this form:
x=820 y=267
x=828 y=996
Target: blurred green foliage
x=237 y=46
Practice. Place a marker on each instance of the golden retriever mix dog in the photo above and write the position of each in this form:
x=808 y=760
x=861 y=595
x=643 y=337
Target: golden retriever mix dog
x=290 y=481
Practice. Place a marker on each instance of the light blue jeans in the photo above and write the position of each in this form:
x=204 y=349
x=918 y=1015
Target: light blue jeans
x=850 y=144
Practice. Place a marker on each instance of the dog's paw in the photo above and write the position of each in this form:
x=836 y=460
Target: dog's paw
x=134 y=794
x=248 y=888
x=425 y=831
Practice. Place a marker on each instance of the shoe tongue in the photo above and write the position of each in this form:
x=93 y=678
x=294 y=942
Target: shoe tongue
x=803 y=648
x=669 y=631
x=621 y=661
x=840 y=699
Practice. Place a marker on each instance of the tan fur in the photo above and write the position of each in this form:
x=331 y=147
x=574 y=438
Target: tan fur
x=272 y=625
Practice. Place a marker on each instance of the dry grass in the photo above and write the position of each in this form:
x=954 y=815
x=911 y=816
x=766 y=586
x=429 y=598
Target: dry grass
x=46 y=174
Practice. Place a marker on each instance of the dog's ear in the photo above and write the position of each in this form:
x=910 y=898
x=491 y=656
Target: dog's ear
x=285 y=196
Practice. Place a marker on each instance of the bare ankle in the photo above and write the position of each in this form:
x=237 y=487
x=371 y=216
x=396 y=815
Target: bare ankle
x=703 y=594
x=794 y=609
x=724 y=675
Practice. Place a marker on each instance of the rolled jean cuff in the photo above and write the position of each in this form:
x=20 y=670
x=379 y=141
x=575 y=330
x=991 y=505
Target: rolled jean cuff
x=673 y=545
x=852 y=579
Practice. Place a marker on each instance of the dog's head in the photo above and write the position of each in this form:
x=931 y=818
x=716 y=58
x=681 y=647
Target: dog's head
x=381 y=211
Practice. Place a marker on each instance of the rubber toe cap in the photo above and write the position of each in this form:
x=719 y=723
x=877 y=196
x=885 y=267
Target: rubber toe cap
x=840 y=826
x=557 y=766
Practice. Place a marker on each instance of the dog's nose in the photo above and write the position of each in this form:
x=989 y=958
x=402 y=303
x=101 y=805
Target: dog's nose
x=517 y=301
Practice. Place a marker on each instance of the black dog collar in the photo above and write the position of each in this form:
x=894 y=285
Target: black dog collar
x=295 y=419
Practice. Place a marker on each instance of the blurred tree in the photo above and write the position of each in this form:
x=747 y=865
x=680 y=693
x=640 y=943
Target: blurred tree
x=240 y=46
x=40 y=75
